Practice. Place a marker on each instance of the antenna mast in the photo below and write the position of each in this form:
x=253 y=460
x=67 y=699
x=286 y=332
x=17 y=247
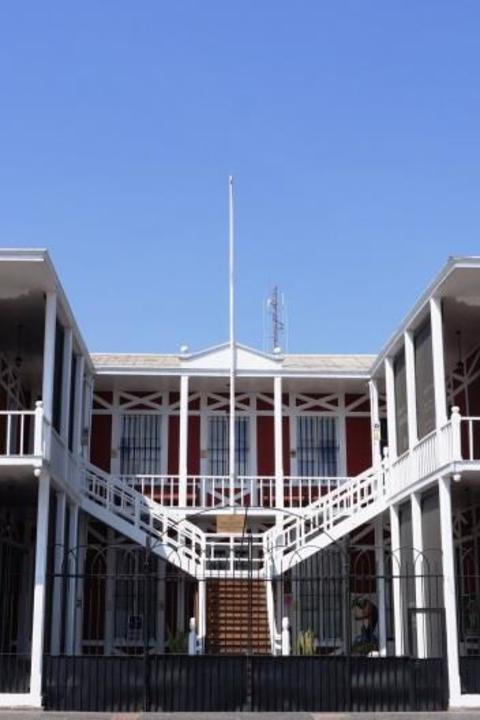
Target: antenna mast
x=276 y=310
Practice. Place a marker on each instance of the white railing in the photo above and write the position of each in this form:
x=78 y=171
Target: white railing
x=162 y=489
x=470 y=438
x=209 y=491
x=234 y=555
x=179 y=540
x=215 y=491
x=437 y=449
x=300 y=491
x=22 y=432
x=296 y=533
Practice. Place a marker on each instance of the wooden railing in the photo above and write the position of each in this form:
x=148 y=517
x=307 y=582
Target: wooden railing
x=22 y=433
x=216 y=491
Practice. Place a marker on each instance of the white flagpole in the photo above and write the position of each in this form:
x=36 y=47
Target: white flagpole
x=232 y=339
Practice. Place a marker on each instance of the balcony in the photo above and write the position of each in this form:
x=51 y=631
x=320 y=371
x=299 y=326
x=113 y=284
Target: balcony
x=22 y=437
x=210 y=492
x=453 y=449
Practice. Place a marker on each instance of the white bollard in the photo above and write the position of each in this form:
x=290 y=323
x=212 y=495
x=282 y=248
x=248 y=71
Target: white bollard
x=285 y=636
x=192 y=638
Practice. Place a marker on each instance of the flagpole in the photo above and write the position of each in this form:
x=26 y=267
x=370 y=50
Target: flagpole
x=231 y=237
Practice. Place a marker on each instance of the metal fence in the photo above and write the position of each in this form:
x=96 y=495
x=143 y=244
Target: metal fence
x=118 y=635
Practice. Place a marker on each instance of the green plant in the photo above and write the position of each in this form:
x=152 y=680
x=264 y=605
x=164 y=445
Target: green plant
x=177 y=643
x=306 y=643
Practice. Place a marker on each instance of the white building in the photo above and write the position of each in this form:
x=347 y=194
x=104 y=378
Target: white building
x=340 y=530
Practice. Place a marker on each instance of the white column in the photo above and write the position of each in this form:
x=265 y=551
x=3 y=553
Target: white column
x=380 y=565
x=292 y=433
x=391 y=418
x=342 y=437
x=38 y=623
x=59 y=554
x=80 y=591
x=438 y=362
x=411 y=390
x=375 y=423
x=66 y=383
x=72 y=565
x=396 y=581
x=278 y=434
x=419 y=570
x=87 y=415
x=78 y=409
x=49 y=354
x=110 y=594
x=202 y=616
x=183 y=442
x=446 y=534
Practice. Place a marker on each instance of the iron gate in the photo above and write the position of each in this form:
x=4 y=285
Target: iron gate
x=117 y=638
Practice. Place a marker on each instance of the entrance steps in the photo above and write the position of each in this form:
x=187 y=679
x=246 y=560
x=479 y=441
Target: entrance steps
x=237 y=618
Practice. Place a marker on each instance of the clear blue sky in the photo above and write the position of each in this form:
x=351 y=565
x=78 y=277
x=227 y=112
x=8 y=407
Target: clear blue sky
x=352 y=129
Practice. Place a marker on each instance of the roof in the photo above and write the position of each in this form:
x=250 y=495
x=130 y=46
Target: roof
x=142 y=361
x=329 y=363
x=322 y=364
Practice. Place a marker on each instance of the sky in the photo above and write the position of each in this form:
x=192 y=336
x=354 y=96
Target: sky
x=351 y=129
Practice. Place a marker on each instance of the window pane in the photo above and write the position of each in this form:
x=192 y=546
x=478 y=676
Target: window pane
x=317 y=449
x=400 y=378
x=140 y=449
x=424 y=381
x=219 y=446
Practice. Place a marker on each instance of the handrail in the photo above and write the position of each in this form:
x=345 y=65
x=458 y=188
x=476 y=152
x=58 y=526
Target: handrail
x=214 y=491
x=297 y=532
x=19 y=436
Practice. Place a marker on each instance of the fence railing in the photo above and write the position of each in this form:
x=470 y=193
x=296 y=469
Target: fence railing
x=177 y=538
x=22 y=432
x=470 y=438
x=315 y=526
x=233 y=554
x=215 y=491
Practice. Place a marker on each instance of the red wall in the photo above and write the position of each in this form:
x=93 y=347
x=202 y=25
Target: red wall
x=265 y=445
x=193 y=450
x=101 y=441
x=359 y=445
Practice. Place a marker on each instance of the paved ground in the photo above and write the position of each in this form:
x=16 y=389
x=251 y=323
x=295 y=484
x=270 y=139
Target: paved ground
x=36 y=715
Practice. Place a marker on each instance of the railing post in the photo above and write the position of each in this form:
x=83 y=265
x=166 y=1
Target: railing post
x=38 y=430
x=285 y=636
x=456 y=419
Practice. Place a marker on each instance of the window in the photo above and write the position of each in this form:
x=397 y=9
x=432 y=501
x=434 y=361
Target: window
x=401 y=419
x=141 y=445
x=58 y=377
x=317 y=449
x=424 y=381
x=218 y=445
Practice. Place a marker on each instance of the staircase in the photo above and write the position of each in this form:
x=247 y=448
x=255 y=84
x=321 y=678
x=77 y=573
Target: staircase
x=181 y=542
x=237 y=618
x=325 y=521
x=169 y=536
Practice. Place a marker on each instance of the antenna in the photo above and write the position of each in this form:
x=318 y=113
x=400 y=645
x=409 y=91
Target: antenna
x=276 y=310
